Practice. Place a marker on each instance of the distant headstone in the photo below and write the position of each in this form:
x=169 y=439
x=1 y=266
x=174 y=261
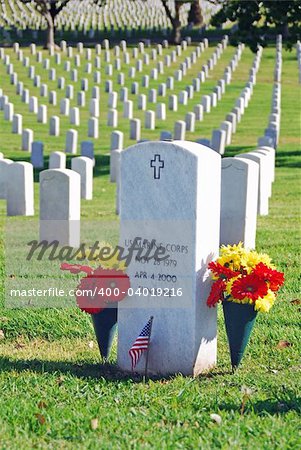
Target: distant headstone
x=227 y=127
x=42 y=114
x=20 y=194
x=37 y=156
x=128 y=109
x=60 y=207
x=206 y=102
x=135 y=129
x=87 y=149
x=52 y=97
x=65 y=106
x=179 y=130
x=199 y=112
x=218 y=141
x=27 y=139
x=161 y=111
x=4 y=164
x=263 y=183
x=150 y=119
x=205 y=142
x=54 y=126
x=84 y=166
x=265 y=141
x=57 y=160
x=142 y=102
x=112 y=118
x=94 y=107
x=17 y=124
x=239 y=191
x=71 y=141
x=8 y=111
x=190 y=121
x=165 y=136
x=93 y=127
x=116 y=140
x=232 y=118
x=183 y=97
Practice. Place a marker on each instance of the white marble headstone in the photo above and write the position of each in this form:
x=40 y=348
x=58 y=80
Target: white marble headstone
x=183 y=218
x=84 y=166
x=19 y=193
x=239 y=191
x=264 y=180
x=60 y=206
x=4 y=163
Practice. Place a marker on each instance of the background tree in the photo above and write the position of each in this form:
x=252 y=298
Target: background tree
x=50 y=9
x=195 y=16
x=257 y=20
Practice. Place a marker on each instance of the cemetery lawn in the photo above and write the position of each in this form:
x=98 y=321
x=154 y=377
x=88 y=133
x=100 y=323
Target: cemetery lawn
x=51 y=382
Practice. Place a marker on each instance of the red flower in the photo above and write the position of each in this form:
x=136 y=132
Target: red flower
x=115 y=283
x=250 y=286
x=88 y=295
x=76 y=268
x=222 y=271
x=99 y=288
x=216 y=293
x=274 y=278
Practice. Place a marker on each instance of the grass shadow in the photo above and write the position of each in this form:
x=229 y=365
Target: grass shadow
x=82 y=369
x=102 y=165
x=288 y=159
x=281 y=404
x=234 y=150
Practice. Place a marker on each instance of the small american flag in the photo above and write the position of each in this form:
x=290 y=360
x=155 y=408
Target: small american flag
x=141 y=343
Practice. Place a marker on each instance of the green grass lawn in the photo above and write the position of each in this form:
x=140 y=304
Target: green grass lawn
x=51 y=381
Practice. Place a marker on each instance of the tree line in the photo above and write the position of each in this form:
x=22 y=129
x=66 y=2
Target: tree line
x=253 y=20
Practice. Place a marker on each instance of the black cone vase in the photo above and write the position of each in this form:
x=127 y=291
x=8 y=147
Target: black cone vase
x=105 y=327
x=239 y=321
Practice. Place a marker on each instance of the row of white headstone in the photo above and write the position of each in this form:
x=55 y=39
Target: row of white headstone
x=272 y=132
x=64 y=106
x=41 y=110
x=223 y=136
x=17 y=185
x=180 y=126
x=220 y=137
x=246 y=188
x=89 y=16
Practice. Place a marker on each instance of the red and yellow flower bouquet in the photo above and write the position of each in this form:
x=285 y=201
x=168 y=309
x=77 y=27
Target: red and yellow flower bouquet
x=244 y=276
x=245 y=282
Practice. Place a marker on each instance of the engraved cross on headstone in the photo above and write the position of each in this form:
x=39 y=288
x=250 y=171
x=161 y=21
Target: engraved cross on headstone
x=157 y=164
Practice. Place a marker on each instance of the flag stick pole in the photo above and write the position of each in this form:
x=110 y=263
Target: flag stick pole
x=147 y=351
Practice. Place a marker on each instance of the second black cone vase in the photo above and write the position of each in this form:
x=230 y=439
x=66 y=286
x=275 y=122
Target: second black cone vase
x=105 y=327
x=239 y=321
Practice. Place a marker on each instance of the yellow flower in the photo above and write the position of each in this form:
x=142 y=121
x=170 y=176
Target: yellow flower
x=111 y=263
x=253 y=258
x=264 y=304
x=229 y=284
x=236 y=248
x=233 y=256
x=231 y=260
x=244 y=300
